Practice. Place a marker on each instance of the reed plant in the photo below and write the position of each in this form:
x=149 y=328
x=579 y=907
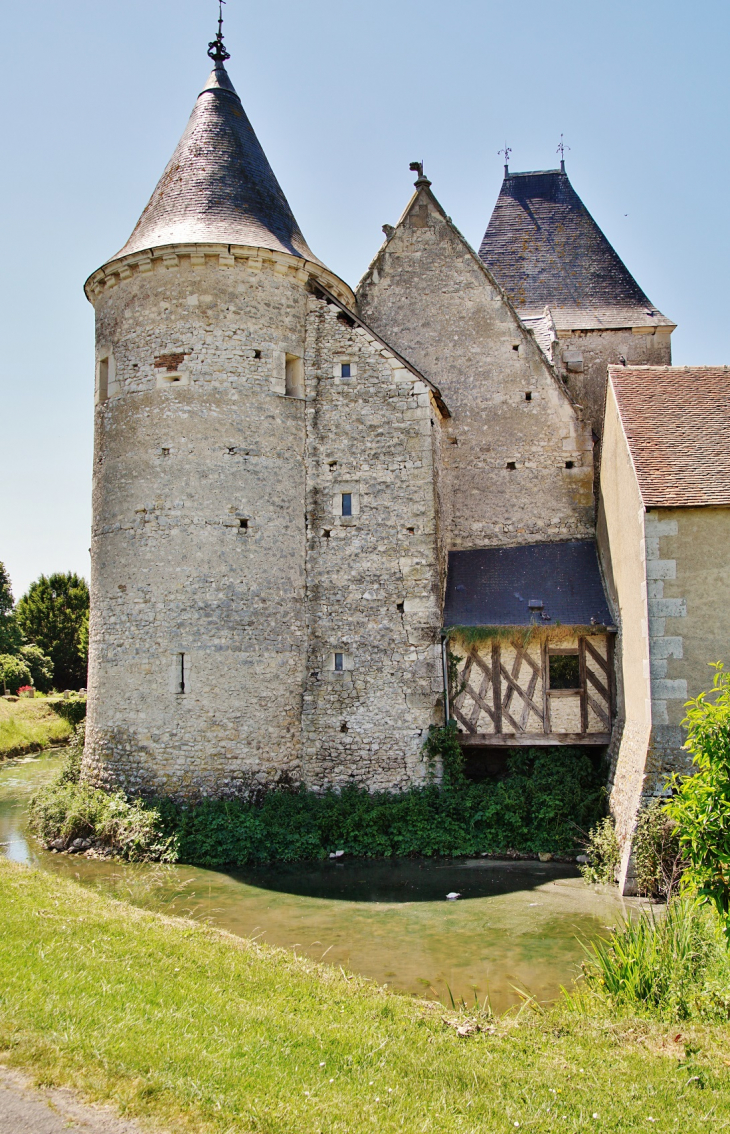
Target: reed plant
x=671 y=966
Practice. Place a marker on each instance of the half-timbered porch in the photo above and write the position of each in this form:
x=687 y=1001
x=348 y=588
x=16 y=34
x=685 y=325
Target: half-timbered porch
x=531 y=646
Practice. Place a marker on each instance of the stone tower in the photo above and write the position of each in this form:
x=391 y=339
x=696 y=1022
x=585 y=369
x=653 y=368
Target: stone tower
x=198 y=644
x=266 y=567
x=570 y=286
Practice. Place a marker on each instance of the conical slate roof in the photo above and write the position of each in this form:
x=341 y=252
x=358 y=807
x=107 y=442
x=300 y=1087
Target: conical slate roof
x=218 y=187
x=546 y=250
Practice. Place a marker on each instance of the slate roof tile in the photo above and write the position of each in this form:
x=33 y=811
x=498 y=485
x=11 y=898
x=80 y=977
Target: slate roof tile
x=218 y=187
x=543 y=583
x=545 y=249
x=677 y=424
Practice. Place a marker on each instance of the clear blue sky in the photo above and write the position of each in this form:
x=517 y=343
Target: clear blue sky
x=343 y=96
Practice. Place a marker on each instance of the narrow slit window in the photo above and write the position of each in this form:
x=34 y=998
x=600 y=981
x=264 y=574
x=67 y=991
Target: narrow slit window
x=564 y=671
x=528 y=395
x=243 y=525
x=346 y=503
x=103 y=379
x=339 y=663
x=345 y=370
x=180 y=674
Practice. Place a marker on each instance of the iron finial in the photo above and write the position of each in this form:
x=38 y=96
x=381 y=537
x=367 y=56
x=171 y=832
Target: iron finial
x=506 y=151
x=216 y=49
x=561 y=150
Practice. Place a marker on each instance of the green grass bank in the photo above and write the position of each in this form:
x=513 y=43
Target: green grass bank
x=193 y=1029
x=31 y=724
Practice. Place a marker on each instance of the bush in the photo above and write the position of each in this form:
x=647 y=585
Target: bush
x=534 y=808
x=701 y=805
x=675 y=967
x=657 y=852
x=68 y=809
x=73 y=710
x=40 y=666
x=13 y=673
x=603 y=852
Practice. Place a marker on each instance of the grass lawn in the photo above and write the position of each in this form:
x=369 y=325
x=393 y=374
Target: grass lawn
x=193 y=1029
x=29 y=725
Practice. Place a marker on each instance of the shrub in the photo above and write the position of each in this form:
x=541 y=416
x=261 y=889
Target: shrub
x=673 y=966
x=73 y=710
x=40 y=666
x=13 y=672
x=701 y=805
x=68 y=809
x=534 y=808
x=603 y=852
x=657 y=852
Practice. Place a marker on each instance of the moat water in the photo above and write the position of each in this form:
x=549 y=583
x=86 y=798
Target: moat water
x=517 y=925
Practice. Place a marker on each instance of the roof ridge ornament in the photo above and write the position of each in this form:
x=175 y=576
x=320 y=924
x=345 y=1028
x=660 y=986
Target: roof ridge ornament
x=506 y=151
x=561 y=150
x=216 y=49
x=421 y=180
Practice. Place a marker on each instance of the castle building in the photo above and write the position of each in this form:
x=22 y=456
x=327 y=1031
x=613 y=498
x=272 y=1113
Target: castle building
x=305 y=498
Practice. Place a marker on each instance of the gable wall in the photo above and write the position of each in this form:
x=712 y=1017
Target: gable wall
x=368 y=723
x=428 y=295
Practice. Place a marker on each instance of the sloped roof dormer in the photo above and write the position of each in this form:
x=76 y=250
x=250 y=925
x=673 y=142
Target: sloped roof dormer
x=218 y=187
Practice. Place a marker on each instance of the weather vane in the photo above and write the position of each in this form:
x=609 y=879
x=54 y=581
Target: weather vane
x=561 y=150
x=216 y=50
x=506 y=151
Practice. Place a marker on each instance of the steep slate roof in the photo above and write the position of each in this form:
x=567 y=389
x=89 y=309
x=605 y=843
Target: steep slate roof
x=545 y=249
x=494 y=586
x=677 y=424
x=218 y=187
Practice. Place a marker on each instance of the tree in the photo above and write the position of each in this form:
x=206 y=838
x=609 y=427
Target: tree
x=40 y=666
x=10 y=635
x=701 y=804
x=13 y=673
x=51 y=615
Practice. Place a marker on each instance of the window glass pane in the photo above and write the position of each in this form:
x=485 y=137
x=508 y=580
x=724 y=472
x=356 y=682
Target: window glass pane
x=339 y=659
x=564 y=671
x=345 y=369
x=346 y=503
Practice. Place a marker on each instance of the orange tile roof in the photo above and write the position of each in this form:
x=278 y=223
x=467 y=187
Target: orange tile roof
x=677 y=422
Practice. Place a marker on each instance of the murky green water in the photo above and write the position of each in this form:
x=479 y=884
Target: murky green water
x=516 y=925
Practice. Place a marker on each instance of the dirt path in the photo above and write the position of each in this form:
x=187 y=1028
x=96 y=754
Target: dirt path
x=25 y=1109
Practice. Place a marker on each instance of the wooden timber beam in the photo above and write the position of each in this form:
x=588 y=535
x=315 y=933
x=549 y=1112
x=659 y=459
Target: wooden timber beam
x=532 y=739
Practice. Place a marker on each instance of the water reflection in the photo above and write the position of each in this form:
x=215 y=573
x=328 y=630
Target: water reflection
x=516 y=924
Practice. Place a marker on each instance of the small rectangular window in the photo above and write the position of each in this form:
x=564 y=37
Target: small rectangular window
x=294 y=377
x=345 y=371
x=564 y=671
x=103 y=379
x=346 y=503
x=339 y=663
x=180 y=674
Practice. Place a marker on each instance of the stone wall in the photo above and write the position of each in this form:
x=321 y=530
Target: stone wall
x=594 y=351
x=198 y=542
x=517 y=460
x=373 y=578
x=224 y=577
x=622 y=551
